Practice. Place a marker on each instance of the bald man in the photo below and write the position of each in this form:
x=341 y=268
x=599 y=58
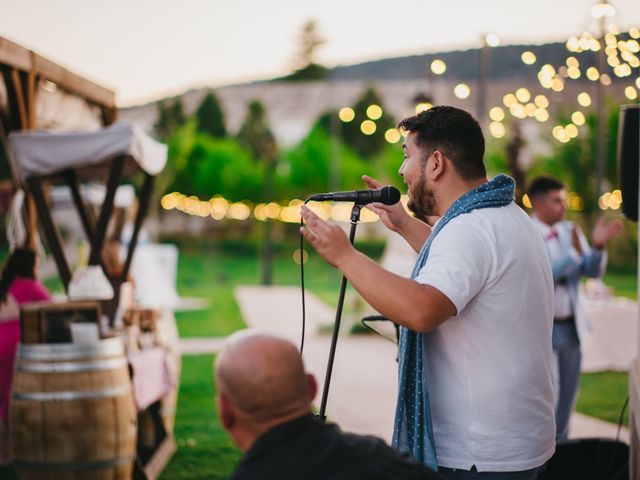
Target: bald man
x=264 y=401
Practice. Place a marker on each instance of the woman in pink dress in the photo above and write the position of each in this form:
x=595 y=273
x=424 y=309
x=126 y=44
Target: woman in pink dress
x=18 y=285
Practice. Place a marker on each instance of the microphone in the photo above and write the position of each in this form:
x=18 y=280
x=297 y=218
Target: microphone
x=388 y=195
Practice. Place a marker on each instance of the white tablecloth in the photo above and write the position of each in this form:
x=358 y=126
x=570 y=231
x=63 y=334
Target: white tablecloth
x=613 y=341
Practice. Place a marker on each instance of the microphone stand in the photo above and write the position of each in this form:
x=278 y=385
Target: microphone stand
x=355 y=218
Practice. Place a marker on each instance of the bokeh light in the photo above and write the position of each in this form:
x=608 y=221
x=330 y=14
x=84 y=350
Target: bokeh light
x=578 y=118
x=368 y=127
x=392 y=135
x=523 y=95
x=438 y=67
x=496 y=114
x=462 y=91
x=497 y=129
x=374 y=112
x=584 y=99
x=346 y=114
x=528 y=57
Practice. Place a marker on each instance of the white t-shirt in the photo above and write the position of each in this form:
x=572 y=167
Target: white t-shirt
x=489 y=367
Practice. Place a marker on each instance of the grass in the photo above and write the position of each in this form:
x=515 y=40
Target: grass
x=212 y=274
x=624 y=284
x=602 y=395
x=204 y=449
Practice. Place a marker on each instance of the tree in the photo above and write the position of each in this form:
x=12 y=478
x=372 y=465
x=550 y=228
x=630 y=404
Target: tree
x=305 y=66
x=210 y=117
x=255 y=135
x=512 y=150
x=170 y=117
x=367 y=145
x=574 y=162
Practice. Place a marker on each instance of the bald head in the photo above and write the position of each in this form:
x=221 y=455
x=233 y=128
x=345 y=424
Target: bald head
x=263 y=377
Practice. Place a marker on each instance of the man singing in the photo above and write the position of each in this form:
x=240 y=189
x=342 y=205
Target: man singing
x=475 y=392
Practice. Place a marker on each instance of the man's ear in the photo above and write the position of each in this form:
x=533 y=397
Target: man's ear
x=437 y=165
x=313 y=386
x=225 y=410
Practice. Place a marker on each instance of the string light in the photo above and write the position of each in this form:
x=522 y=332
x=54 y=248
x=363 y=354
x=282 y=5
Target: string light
x=219 y=209
x=438 y=67
x=374 y=112
x=346 y=114
x=496 y=114
x=497 y=129
x=528 y=57
x=462 y=91
x=392 y=135
x=578 y=118
x=368 y=127
x=584 y=99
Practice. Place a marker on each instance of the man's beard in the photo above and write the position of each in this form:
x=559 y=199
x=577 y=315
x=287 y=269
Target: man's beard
x=422 y=201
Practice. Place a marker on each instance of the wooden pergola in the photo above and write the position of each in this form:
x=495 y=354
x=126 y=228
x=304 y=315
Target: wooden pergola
x=23 y=73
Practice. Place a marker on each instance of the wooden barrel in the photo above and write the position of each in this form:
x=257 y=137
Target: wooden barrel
x=72 y=412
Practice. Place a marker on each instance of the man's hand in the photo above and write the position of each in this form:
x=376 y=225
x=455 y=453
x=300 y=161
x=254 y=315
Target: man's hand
x=604 y=231
x=328 y=239
x=575 y=238
x=395 y=216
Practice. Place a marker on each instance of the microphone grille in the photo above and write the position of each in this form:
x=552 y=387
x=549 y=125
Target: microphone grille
x=390 y=195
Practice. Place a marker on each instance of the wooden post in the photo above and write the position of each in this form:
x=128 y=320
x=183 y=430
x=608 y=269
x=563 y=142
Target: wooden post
x=50 y=231
x=86 y=215
x=117 y=169
x=20 y=98
x=145 y=199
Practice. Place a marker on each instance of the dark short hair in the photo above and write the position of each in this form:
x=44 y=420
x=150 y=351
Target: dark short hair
x=455 y=133
x=543 y=184
x=20 y=263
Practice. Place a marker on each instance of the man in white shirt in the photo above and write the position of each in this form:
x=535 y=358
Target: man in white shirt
x=479 y=306
x=571 y=258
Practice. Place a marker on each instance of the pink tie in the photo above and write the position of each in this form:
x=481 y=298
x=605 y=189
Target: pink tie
x=553 y=233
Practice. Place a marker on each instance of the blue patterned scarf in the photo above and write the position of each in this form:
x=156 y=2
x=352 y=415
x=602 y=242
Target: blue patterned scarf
x=412 y=431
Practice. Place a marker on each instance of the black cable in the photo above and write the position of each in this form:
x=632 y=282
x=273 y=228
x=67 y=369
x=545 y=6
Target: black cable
x=624 y=407
x=304 y=313
x=302 y=286
x=605 y=472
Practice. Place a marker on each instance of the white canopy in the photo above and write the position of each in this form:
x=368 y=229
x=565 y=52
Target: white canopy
x=44 y=153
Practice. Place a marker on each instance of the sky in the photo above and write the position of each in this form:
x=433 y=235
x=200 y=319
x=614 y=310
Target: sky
x=146 y=49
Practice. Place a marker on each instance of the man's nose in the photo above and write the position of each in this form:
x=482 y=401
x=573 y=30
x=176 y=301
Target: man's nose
x=401 y=169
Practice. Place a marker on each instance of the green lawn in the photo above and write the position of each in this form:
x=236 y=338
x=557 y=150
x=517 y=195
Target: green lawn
x=204 y=449
x=624 y=284
x=602 y=395
x=213 y=275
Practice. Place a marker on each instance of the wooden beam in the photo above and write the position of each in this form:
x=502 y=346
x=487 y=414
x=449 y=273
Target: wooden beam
x=32 y=221
x=115 y=175
x=14 y=55
x=145 y=200
x=14 y=112
x=109 y=116
x=25 y=60
x=32 y=95
x=20 y=98
x=86 y=215
x=50 y=231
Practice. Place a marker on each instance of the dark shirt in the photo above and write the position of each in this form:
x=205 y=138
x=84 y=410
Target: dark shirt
x=305 y=449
